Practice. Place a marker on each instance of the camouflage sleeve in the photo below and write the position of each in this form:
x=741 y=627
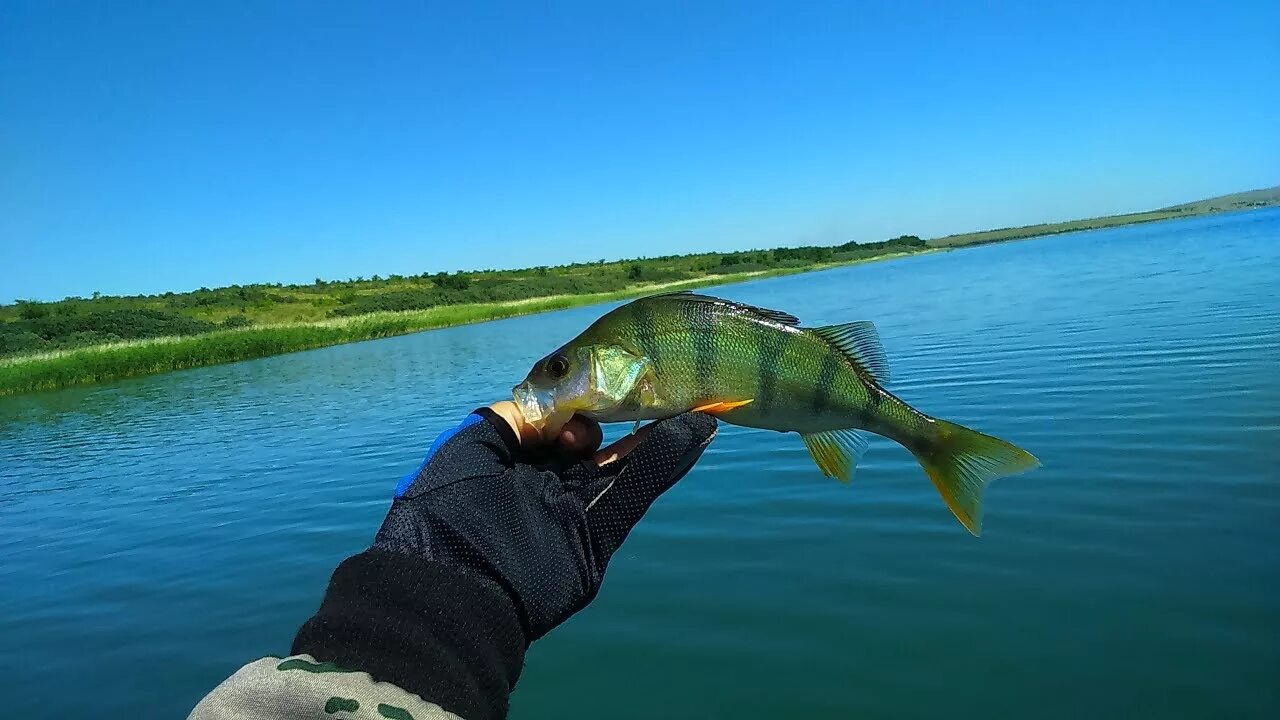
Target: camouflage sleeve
x=298 y=687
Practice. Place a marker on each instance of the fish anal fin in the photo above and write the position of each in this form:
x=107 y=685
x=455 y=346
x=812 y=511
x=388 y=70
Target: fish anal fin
x=859 y=342
x=719 y=408
x=836 y=452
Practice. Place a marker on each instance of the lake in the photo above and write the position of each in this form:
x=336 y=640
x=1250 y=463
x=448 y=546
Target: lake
x=157 y=533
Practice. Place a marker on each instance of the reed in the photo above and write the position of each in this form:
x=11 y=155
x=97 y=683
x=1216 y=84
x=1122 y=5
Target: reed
x=97 y=363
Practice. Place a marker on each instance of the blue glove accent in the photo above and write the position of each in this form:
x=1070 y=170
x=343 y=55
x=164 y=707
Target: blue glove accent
x=403 y=486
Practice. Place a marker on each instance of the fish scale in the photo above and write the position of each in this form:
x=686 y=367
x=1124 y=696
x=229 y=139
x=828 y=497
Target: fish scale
x=666 y=354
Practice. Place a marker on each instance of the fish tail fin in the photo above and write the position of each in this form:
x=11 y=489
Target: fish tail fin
x=961 y=462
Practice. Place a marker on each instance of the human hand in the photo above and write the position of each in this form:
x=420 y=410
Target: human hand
x=541 y=518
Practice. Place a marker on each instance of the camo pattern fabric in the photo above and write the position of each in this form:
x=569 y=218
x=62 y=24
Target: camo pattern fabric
x=299 y=688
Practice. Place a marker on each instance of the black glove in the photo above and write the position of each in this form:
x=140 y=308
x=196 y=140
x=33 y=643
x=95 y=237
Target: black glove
x=487 y=548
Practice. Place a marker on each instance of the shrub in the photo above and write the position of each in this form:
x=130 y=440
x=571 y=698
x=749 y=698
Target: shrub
x=30 y=310
x=237 y=321
x=13 y=341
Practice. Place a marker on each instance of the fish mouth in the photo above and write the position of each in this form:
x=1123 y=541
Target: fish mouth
x=535 y=404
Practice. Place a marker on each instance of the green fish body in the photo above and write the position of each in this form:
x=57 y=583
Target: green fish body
x=663 y=355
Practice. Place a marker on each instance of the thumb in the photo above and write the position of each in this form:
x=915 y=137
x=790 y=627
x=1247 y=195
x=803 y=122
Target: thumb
x=616 y=502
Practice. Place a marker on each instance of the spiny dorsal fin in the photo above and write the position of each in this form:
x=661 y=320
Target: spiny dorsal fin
x=860 y=342
x=687 y=296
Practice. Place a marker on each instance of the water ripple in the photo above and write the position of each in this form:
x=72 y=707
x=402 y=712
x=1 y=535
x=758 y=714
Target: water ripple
x=1132 y=574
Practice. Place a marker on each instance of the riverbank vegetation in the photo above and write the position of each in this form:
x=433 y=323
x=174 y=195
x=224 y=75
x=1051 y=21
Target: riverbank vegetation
x=88 y=339
x=85 y=340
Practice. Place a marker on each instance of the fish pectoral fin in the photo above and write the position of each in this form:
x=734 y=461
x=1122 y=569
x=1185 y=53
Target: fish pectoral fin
x=836 y=451
x=721 y=407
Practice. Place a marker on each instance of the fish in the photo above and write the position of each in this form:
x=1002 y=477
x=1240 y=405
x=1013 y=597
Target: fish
x=662 y=355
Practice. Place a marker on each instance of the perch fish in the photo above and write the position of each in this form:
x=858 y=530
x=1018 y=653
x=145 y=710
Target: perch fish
x=662 y=355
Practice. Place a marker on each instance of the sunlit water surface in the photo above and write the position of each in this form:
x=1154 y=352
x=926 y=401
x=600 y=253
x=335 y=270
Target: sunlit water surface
x=157 y=533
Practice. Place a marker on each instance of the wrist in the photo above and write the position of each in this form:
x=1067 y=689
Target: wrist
x=451 y=636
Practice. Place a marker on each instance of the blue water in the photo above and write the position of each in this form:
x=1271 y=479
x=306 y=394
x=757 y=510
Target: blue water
x=157 y=533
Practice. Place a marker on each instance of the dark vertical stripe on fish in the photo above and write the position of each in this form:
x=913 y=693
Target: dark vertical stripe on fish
x=769 y=360
x=645 y=330
x=875 y=395
x=831 y=362
x=704 y=349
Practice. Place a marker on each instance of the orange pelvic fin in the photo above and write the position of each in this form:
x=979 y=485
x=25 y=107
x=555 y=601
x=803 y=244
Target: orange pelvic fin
x=720 y=408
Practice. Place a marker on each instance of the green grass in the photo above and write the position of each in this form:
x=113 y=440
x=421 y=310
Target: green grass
x=29 y=327
x=78 y=340
x=79 y=366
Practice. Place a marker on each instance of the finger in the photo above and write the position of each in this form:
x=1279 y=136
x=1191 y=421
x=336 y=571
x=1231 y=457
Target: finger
x=527 y=434
x=618 y=450
x=656 y=462
x=579 y=437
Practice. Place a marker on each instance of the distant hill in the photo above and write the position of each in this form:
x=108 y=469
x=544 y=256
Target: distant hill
x=1251 y=199
x=1265 y=197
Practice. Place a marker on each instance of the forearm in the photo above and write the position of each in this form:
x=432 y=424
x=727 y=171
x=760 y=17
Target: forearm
x=392 y=629
x=442 y=633
x=301 y=688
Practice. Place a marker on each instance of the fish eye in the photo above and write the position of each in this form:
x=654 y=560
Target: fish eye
x=558 y=366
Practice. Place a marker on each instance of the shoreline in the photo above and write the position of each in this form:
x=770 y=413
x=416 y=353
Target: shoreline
x=137 y=358
x=1106 y=222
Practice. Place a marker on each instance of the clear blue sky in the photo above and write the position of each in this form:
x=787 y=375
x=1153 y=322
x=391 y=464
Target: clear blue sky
x=163 y=146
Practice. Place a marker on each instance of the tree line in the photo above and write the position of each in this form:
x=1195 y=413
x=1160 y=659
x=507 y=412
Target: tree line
x=29 y=326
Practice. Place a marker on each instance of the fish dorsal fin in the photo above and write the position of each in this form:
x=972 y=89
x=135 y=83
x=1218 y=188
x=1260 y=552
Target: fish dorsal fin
x=775 y=315
x=859 y=342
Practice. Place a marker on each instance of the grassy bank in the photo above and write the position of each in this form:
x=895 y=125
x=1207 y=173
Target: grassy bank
x=28 y=327
x=77 y=340
x=78 y=366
